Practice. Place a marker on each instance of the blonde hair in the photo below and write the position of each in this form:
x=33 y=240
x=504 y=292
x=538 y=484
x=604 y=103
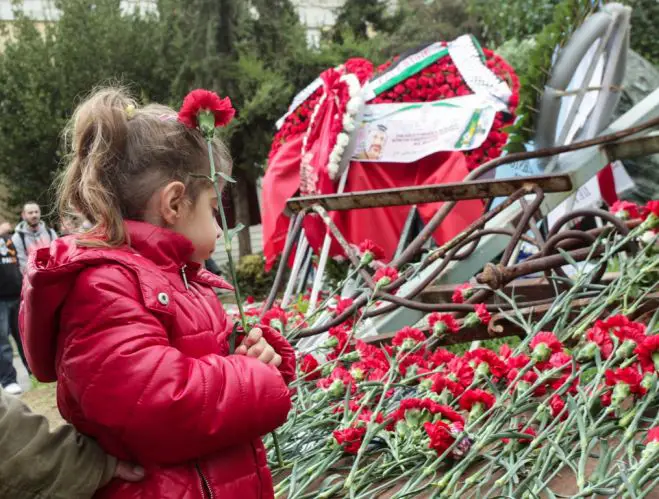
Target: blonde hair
x=119 y=155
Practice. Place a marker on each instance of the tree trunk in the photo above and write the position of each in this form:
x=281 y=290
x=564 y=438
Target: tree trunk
x=241 y=209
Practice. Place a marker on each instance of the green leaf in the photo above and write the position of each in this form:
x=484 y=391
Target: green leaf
x=226 y=177
x=232 y=232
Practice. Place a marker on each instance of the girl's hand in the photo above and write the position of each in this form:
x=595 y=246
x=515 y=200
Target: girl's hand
x=255 y=346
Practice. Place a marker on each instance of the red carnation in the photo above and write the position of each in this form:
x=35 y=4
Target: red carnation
x=557 y=404
x=440 y=436
x=309 y=367
x=350 y=438
x=529 y=431
x=479 y=316
x=476 y=402
x=385 y=276
x=370 y=251
x=648 y=353
x=653 y=435
x=543 y=345
x=408 y=338
x=342 y=304
x=626 y=210
x=652 y=208
x=441 y=357
x=201 y=100
x=486 y=362
x=462 y=293
x=250 y=300
x=441 y=382
x=625 y=381
x=275 y=317
x=442 y=323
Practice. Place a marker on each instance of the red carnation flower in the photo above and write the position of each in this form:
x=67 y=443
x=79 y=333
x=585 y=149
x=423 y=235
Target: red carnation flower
x=488 y=359
x=442 y=323
x=479 y=316
x=471 y=398
x=413 y=364
x=440 y=357
x=350 y=438
x=626 y=210
x=408 y=338
x=505 y=352
x=370 y=251
x=250 y=300
x=652 y=208
x=462 y=293
x=601 y=340
x=529 y=431
x=440 y=436
x=385 y=276
x=557 y=404
x=342 y=305
x=201 y=100
x=543 y=345
x=441 y=382
x=648 y=353
x=629 y=376
x=653 y=435
x=275 y=317
x=309 y=367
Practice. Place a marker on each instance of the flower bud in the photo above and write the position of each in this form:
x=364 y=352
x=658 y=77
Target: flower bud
x=327 y=370
x=337 y=388
x=587 y=352
x=351 y=357
x=620 y=392
x=476 y=412
x=648 y=381
x=367 y=258
x=626 y=349
x=439 y=329
x=541 y=352
x=425 y=385
x=472 y=320
x=332 y=342
x=357 y=373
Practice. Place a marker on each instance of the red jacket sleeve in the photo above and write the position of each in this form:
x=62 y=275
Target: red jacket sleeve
x=131 y=384
x=284 y=349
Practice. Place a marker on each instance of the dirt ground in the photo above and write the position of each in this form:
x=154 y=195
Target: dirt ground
x=41 y=399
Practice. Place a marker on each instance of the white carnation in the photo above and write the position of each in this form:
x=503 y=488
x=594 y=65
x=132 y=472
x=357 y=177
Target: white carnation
x=354 y=105
x=348 y=123
x=343 y=140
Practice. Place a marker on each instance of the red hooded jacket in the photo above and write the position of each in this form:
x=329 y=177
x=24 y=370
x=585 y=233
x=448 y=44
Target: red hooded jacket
x=137 y=340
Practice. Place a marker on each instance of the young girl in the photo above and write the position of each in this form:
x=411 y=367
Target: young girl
x=125 y=318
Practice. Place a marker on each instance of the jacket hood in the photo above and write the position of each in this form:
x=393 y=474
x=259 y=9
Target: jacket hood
x=52 y=272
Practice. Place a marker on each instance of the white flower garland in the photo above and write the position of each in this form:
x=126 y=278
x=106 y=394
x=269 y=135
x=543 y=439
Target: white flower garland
x=353 y=108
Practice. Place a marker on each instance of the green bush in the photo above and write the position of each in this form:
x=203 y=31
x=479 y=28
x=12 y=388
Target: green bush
x=252 y=277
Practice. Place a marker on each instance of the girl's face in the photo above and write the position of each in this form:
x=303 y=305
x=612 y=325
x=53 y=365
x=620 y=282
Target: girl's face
x=198 y=223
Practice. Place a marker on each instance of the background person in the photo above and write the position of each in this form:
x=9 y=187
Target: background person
x=31 y=232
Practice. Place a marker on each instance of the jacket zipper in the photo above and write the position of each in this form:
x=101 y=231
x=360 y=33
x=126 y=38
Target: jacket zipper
x=185 y=277
x=205 y=486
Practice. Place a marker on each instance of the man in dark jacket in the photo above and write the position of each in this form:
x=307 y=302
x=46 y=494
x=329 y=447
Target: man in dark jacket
x=10 y=292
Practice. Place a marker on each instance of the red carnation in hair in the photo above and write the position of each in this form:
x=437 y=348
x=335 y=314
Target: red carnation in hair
x=204 y=100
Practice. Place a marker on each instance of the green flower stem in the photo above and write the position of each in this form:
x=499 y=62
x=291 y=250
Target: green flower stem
x=227 y=237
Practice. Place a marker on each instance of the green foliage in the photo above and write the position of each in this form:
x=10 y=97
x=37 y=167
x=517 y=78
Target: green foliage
x=567 y=16
x=42 y=76
x=426 y=21
x=513 y=19
x=645 y=31
x=362 y=18
x=252 y=278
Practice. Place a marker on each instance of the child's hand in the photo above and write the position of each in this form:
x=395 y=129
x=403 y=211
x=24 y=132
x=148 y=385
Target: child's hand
x=255 y=346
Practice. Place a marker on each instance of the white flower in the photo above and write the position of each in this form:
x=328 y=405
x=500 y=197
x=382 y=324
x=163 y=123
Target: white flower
x=333 y=170
x=335 y=156
x=343 y=140
x=354 y=105
x=348 y=123
x=339 y=149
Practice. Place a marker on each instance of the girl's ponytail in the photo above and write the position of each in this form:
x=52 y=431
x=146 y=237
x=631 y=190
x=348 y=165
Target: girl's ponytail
x=97 y=136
